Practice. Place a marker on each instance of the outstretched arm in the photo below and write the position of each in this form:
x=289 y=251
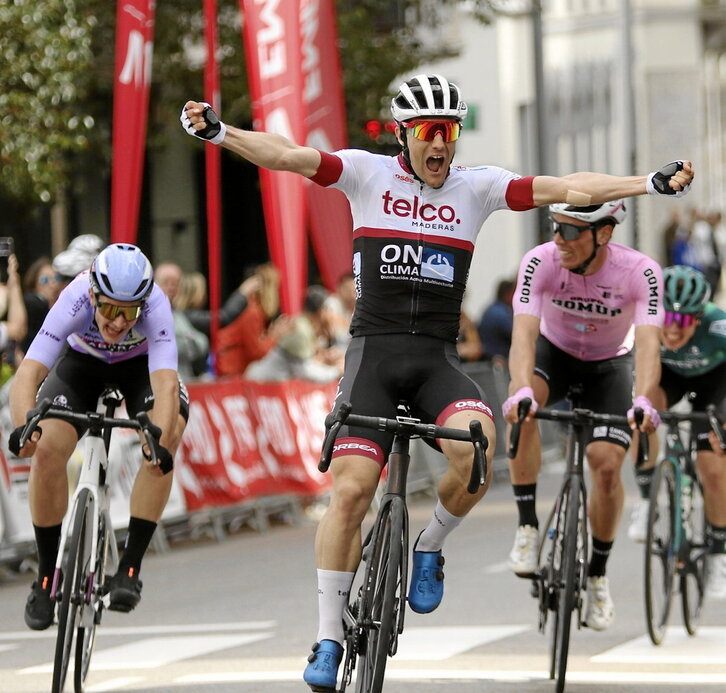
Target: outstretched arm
x=264 y=149
x=583 y=189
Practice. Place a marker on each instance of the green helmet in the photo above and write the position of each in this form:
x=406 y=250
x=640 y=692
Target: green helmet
x=686 y=290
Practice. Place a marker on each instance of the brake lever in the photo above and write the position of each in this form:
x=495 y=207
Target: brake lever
x=333 y=424
x=522 y=410
x=643 y=443
x=479 y=468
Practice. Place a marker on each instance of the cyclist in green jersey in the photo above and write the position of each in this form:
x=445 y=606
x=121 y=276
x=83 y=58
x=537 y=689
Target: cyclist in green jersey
x=693 y=358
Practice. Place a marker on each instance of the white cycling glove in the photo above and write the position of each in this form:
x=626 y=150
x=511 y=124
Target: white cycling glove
x=214 y=131
x=657 y=183
x=647 y=406
x=517 y=397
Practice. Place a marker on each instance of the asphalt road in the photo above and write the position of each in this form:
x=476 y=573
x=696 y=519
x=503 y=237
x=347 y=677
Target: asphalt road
x=240 y=615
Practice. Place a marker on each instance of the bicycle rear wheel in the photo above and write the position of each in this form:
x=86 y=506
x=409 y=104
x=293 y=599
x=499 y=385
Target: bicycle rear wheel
x=660 y=555
x=573 y=554
x=382 y=598
x=86 y=634
x=693 y=573
x=75 y=577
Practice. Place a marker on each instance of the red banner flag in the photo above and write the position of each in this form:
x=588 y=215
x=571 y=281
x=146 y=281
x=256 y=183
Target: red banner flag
x=213 y=163
x=331 y=226
x=132 y=79
x=272 y=46
x=247 y=440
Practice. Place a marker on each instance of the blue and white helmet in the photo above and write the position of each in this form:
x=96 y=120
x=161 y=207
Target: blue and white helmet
x=122 y=272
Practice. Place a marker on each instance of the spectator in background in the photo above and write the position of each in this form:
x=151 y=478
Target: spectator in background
x=495 y=326
x=192 y=300
x=703 y=240
x=468 y=343
x=303 y=352
x=77 y=257
x=14 y=324
x=192 y=345
x=330 y=343
x=42 y=284
x=252 y=334
x=675 y=230
x=342 y=305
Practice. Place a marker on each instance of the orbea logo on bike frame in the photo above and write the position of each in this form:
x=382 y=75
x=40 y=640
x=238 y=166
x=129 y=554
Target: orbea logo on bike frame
x=415 y=262
x=422 y=214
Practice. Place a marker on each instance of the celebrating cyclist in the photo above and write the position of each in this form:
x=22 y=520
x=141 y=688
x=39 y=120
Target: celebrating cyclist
x=578 y=298
x=693 y=357
x=110 y=326
x=415 y=221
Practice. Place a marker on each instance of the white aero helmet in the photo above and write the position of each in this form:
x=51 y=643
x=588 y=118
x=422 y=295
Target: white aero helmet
x=613 y=212
x=427 y=96
x=122 y=272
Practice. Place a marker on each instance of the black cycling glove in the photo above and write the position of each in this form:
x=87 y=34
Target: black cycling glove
x=657 y=183
x=164 y=459
x=14 y=439
x=215 y=129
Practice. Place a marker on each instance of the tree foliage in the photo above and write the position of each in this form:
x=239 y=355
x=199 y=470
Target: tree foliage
x=57 y=66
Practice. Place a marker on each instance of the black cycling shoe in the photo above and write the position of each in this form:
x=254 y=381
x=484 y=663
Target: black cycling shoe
x=124 y=590
x=39 y=609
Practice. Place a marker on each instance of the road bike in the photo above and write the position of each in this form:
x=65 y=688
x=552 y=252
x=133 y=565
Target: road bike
x=676 y=543
x=563 y=555
x=87 y=553
x=373 y=620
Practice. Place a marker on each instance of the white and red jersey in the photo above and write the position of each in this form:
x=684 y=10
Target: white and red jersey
x=590 y=317
x=413 y=244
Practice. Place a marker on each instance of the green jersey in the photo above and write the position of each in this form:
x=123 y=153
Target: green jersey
x=705 y=350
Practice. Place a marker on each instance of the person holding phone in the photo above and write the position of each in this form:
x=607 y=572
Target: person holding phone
x=14 y=324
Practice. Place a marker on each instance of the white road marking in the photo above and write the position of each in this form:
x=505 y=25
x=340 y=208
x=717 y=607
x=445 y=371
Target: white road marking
x=183 y=628
x=438 y=643
x=114 y=684
x=677 y=648
x=150 y=653
x=495 y=568
x=392 y=673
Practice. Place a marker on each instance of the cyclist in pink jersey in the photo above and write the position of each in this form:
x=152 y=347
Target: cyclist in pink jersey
x=415 y=221
x=581 y=304
x=111 y=326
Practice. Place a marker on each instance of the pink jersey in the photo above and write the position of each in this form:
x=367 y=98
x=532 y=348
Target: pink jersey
x=590 y=317
x=71 y=321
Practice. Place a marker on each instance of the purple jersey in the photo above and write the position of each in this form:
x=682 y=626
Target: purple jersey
x=71 y=320
x=590 y=317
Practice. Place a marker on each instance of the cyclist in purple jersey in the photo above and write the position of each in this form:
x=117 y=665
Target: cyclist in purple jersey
x=110 y=326
x=415 y=221
x=581 y=304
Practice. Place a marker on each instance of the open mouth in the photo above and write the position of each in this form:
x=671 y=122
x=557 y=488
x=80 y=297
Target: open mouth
x=435 y=163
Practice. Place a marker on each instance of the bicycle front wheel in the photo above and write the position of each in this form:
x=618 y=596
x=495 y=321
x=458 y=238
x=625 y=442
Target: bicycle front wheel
x=75 y=579
x=693 y=573
x=383 y=597
x=660 y=554
x=86 y=634
x=573 y=551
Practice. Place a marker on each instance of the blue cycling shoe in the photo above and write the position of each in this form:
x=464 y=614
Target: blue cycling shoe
x=427 y=581
x=321 y=673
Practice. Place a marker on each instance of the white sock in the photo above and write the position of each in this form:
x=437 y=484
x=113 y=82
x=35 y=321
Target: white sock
x=442 y=523
x=333 y=589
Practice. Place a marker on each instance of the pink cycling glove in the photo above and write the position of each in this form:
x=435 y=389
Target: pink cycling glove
x=517 y=397
x=647 y=406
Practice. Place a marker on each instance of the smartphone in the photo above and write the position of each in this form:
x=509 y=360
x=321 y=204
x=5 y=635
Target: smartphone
x=7 y=248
